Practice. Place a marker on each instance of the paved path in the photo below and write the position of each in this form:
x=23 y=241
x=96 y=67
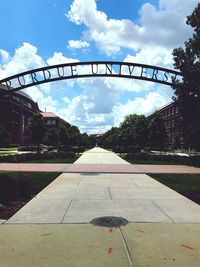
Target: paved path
x=53 y=228
x=98 y=160
x=81 y=197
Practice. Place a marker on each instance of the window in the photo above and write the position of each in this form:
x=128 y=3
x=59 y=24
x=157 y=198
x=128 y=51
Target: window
x=16 y=98
x=29 y=105
x=51 y=122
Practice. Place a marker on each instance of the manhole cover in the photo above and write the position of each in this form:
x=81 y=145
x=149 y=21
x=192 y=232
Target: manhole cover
x=109 y=221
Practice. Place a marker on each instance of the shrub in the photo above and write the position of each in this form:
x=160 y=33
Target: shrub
x=24 y=185
x=7 y=189
x=182 y=160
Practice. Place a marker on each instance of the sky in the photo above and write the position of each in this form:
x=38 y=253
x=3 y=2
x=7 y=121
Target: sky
x=39 y=33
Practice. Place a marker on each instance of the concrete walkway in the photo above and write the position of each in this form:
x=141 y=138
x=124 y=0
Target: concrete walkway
x=53 y=228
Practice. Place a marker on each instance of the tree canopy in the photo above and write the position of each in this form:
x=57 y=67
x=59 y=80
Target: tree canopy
x=157 y=132
x=187 y=91
x=4 y=136
x=37 y=128
x=138 y=132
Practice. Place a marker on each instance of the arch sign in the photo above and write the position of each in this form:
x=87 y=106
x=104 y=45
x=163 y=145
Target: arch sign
x=91 y=69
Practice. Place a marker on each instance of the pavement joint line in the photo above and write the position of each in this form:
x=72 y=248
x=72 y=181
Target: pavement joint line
x=66 y=211
x=110 y=193
x=130 y=260
x=135 y=184
x=79 y=182
x=162 y=211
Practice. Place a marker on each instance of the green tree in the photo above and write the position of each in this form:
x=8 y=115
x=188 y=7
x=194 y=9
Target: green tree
x=52 y=136
x=175 y=143
x=157 y=132
x=134 y=131
x=187 y=91
x=37 y=128
x=110 y=138
x=65 y=136
x=84 y=140
x=69 y=136
x=4 y=137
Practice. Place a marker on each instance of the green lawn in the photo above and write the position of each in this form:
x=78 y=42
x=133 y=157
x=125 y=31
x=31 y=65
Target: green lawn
x=185 y=184
x=3 y=153
x=8 y=148
x=34 y=181
x=52 y=161
x=138 y=161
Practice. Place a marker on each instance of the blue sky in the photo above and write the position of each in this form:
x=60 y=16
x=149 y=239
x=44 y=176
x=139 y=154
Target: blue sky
x=36 y=33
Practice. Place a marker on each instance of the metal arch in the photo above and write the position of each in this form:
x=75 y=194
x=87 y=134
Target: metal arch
x=94 y=69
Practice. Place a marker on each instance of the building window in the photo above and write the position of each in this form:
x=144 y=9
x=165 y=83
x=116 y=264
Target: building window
x=29 y=105
x=16 y=98
x=51 y=122
x=172 y=123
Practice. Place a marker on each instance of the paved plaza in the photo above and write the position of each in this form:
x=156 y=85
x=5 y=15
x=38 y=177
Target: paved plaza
x=54 y=228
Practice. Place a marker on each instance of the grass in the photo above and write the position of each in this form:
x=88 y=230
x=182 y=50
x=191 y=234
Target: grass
x=70 y=160
x=66 y=160
x=38 y=180
x=185 y=184
x=24 y=186
x=196 y=153
x=8 y=148
x=3 y=153
x=138 y=161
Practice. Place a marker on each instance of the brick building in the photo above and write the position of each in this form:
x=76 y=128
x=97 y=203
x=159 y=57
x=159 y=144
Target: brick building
x=53 y=121
x=16 y=110
x=171 y=117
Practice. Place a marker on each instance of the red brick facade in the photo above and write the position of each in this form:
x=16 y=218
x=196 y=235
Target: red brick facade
x=16 y=109
x=171 y=116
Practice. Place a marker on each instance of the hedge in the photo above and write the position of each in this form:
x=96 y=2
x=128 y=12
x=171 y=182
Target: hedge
x=182 y=160
x=37 y=156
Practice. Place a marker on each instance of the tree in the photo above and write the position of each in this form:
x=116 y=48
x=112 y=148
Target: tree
x=37 y=128
x=187 y=91
x=134 y=131
x=84 y=140
x=69 y=136
x=52 y=136
x=4 y=137
x=110 y=138
x=157 y=133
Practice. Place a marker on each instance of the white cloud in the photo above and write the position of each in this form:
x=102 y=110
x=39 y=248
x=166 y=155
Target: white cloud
x=66 y=100
x=25 y=58
x=158 y=57
x=77 y=44
x=158 y=27
x=59 y=58
x=95 y=108
x=140 y=105
x=4 y=56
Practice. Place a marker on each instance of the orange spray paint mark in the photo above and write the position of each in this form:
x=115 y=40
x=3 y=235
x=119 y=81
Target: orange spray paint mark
x=109 y=250
x=188 y=247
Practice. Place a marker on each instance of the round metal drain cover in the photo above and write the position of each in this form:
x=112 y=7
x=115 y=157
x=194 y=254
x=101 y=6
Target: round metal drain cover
x=109 y=221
